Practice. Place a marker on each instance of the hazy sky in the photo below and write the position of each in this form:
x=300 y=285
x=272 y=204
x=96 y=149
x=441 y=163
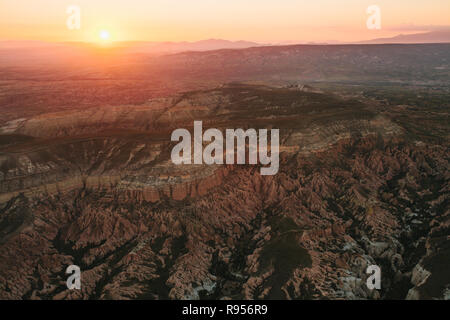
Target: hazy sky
x=256 y=20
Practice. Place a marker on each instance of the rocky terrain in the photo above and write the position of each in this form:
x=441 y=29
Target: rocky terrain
x=96 y=187
x=86 y=176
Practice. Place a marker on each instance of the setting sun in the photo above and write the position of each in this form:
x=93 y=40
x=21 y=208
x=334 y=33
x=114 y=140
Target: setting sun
x=104 y=35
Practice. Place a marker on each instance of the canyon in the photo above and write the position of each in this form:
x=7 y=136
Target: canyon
x=86 y=176
x=96 y=188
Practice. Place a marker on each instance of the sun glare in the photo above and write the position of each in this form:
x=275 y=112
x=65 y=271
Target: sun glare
x=104 y=35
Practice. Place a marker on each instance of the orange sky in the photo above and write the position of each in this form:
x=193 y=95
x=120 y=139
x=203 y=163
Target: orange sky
x=182 y=20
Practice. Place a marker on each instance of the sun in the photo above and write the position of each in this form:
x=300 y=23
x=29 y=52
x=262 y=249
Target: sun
x=104 y=35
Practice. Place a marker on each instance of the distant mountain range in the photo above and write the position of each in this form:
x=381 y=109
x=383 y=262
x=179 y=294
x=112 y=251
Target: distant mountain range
x=174 y=47
x=141 y=46
x=158 y=48
x=440 y=36
x=427 y=37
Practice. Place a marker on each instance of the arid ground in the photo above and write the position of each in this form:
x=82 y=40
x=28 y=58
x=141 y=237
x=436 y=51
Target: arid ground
x=86 y=176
